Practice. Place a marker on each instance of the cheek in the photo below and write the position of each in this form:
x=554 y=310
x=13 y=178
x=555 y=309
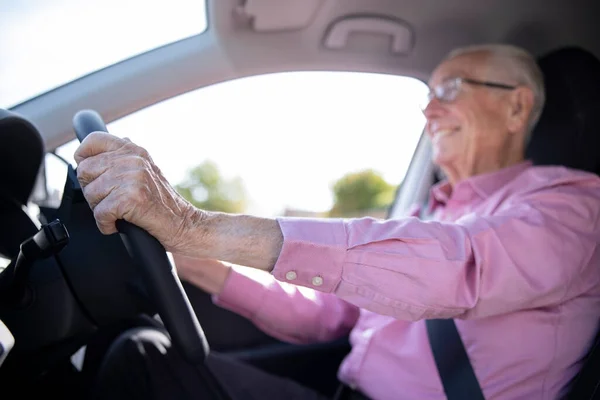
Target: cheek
x=483 y=123
x=488 y=113
x=449 y=148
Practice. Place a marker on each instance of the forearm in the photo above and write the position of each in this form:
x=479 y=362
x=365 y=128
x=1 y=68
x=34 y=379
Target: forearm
x=238 y=239
x=284 y=311
x=208 y=275
x=287 y=312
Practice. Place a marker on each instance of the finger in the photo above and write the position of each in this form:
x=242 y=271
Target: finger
x=118 y=163
x=96 y=143
x=126 y=200
x=91 y=168
x=120 y=203
x=132 y=148
x=99 y=189
x=130 y=176
x=105 y=215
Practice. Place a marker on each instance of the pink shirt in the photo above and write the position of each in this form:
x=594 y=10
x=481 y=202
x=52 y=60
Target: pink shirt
x=513 y=256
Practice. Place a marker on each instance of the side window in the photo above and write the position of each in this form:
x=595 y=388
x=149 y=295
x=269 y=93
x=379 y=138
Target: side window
x=328 y=144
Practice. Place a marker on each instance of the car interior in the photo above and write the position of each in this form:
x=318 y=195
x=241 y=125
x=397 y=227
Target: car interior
x=67 y=282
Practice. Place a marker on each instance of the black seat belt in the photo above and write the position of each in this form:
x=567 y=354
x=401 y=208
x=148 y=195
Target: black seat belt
x=454 y=367
x=452 y=361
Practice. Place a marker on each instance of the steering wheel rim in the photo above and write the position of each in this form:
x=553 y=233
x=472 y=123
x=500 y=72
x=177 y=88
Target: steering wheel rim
x=158 y=274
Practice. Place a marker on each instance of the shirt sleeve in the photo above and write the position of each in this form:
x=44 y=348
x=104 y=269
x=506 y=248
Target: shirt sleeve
x=532 y=253
x=288 y=312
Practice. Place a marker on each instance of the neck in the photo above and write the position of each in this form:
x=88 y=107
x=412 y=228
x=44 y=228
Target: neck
x=482 y=165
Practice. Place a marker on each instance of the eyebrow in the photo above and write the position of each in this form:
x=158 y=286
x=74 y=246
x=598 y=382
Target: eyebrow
x=458 y=73
x=446 y=78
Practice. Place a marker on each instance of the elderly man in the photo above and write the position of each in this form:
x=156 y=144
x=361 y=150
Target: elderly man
x=509 y=252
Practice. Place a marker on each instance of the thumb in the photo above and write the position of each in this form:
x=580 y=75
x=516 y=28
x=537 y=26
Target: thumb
x=96 y=143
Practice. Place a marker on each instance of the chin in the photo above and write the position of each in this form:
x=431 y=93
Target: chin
x=442 y=158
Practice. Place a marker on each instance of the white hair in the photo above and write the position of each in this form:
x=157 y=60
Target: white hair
x=520 y=66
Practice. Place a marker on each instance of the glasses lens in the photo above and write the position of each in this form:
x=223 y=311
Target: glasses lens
x=445 y=92
x=448 y=90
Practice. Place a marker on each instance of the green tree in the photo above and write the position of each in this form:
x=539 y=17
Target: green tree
x=207 y=189
x=361 y=191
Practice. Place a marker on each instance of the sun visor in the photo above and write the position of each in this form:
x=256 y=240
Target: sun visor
x=21 y=155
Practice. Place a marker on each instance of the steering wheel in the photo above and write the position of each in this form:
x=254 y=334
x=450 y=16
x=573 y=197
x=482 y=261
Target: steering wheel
x=157 y=272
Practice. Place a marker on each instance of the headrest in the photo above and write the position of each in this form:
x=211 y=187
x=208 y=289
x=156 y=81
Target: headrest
x=568 y=132
x=21 y=155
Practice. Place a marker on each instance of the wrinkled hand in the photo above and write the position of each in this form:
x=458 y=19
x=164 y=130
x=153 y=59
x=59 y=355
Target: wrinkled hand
x=120 y=181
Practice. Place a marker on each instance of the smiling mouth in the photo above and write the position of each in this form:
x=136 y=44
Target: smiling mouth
x=442 y=133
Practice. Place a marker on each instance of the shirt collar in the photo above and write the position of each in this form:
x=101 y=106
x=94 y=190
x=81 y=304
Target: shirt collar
x=482 y=186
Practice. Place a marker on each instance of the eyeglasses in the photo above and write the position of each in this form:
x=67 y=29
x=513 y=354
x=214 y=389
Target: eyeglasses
x=448 y=90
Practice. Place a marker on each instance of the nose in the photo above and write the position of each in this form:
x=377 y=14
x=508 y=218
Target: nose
x=433 y=112
x=434 y=109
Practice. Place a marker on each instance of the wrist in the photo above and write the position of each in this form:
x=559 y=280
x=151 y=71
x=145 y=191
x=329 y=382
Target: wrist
x=208 y=275
x=187 y=237
x=239 y=239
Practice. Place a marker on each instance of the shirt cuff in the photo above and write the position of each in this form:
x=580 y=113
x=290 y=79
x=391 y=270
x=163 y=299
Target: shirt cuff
x=313 y=253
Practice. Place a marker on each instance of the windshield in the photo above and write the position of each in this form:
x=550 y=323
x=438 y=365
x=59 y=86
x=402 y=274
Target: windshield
x=44 y=44
x=293 y=143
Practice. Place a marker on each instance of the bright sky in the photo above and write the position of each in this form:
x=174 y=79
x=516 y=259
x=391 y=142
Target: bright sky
x=289 y=136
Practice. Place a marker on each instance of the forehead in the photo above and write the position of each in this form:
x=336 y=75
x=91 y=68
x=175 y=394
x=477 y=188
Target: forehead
x=473 y=65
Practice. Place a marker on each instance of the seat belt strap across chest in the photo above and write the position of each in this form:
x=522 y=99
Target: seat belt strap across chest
x=451 y=359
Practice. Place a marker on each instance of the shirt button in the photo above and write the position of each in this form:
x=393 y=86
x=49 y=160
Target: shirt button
x=317 y=281
x=291 y=275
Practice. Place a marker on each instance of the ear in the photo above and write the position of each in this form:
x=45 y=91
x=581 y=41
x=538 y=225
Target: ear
x=521 y=104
